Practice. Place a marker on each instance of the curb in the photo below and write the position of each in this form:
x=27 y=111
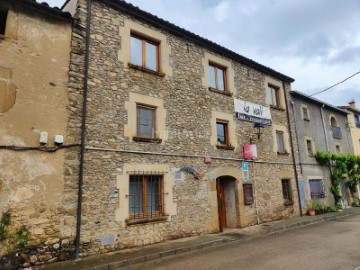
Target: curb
x=193 y=248
x=161 y=255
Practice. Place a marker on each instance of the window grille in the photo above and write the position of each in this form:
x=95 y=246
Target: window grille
x=286 y=190
x=317 y=189
x=146 y=195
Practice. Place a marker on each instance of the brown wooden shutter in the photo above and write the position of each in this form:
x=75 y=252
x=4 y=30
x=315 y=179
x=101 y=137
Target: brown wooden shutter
x=248 y=194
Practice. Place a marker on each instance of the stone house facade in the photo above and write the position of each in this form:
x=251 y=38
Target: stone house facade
x=34 y=71
x=319 y=127
x=163 y=152
x=354 y=124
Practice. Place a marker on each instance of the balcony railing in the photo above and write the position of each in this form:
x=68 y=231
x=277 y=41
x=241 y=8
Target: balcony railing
x=336 y=131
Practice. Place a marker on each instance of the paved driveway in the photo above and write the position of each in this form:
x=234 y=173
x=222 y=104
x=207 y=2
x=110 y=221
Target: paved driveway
x=329 y=245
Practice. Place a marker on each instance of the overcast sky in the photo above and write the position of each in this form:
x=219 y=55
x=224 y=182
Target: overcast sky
x=315 y=42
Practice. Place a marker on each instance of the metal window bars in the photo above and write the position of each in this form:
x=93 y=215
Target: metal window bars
x=317 y=190
x=146 y=194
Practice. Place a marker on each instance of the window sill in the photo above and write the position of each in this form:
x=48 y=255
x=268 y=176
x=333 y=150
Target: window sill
x=283 y=153
x=130 y=222
x=225 y=147
x=144 y=69
x=288 y=203
x=277 y=108
x=147 y=140
x=225 y=93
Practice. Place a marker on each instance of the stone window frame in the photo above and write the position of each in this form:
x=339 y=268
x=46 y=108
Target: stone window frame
x=122 y=213
x=302 y=107
x=281 y=96
x=282 y=129
x=130 y=129
x=313 y=148
x=331 y=116
x=130 y=28
x=224 y=117
x=213 y=59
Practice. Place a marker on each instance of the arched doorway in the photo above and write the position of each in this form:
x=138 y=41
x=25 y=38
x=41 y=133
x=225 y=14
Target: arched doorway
x=226 y=197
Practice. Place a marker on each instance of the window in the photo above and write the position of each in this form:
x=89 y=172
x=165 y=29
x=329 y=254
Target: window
x=305 y=113
x=317 y=188
x=217 y=77
x=145 y=121
x=333 y=121
x=338 y=149
x=3 y=18
x=280 y=141
x=145 y=196
x=309 y=148
x=357 y=121
x=248 y=194
x=144 y=53
x=286 y=190
x=273 y=96
x=222 y=132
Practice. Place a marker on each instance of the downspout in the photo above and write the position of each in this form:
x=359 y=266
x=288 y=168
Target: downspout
x=323 y=122
x=292 y=148
x=83 y=131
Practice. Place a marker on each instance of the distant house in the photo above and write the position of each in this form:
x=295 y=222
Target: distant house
x=320 y=127
x=354 y=124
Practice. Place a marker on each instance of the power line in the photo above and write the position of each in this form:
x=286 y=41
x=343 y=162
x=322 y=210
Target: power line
x=336 y=84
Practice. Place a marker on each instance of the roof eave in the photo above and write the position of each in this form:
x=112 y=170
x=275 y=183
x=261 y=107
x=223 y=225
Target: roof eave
x=176 y=30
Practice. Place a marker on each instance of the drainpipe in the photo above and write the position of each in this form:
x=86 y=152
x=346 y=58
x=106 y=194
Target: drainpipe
x=323 y=122
x=292 y=148
x=255 y=193
x=83 y=131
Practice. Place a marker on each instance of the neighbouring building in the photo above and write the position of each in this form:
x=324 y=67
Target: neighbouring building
x=354 y=124
x=34 y=71
x=319 y=127
x=168 y=115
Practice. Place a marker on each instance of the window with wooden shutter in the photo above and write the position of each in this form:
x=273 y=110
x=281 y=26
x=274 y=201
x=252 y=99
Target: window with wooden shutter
x=248 y=194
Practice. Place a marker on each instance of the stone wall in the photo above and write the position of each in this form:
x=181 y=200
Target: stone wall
x=34 y=62
x=189 y=106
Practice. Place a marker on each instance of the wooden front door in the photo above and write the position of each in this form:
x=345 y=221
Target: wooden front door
x=221 y=203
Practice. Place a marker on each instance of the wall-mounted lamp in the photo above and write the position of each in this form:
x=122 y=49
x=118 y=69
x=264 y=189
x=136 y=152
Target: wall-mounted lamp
x=258 y=132
x=258 y=127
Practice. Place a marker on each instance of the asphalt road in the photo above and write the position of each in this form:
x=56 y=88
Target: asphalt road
x=328 y=245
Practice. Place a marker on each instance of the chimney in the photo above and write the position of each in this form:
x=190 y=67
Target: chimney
x=352 y=104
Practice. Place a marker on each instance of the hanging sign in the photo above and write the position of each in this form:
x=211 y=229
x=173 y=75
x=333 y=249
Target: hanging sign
x=252 y=112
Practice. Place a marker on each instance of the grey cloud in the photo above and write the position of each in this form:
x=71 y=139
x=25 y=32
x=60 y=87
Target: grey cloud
x=346 y=55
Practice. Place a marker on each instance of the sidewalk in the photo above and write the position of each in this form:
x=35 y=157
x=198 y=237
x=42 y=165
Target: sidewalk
x=125 y=258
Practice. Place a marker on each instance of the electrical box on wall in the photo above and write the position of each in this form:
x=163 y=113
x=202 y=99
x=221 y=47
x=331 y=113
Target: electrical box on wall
x=43 y=137
x=250 y=151
x=59 y=139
